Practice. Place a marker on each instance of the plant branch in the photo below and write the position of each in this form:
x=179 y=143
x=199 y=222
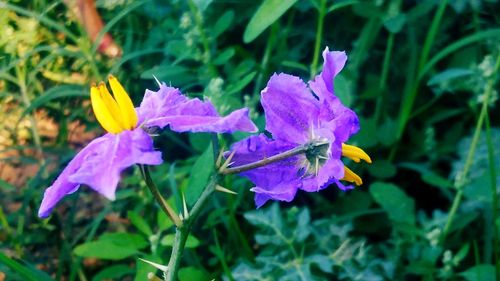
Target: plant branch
x=158 y=197
x=275 y=158
x=461 y=178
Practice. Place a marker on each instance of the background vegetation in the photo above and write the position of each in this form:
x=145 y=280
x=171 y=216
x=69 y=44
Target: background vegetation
x=422 y=76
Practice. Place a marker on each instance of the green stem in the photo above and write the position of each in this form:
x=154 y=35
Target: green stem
x=158 y=197
x=264 y=63
x=461 y=178
x=411 y=94
x=275 y=158
x=204 y=39
x=319 y=33
x=21 y=76
x=383 y=78
x=182 y=232
x=431 y=35
x=494 y=194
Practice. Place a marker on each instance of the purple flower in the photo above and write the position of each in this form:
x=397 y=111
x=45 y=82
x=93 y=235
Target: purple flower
x=101 y=162
x=296 y=116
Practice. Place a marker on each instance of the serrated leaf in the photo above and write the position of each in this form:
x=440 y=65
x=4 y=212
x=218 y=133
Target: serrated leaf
x=394 y=201
x=268 y=12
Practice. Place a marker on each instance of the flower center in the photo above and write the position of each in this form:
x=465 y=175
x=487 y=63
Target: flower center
x=115 y=113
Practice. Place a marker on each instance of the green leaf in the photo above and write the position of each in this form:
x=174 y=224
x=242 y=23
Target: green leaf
x=223 y=23
x=129 y=240
x=224 y=56
x=57 y=92
x=200 y=173
x=140 y=223
x=343 y=90
x=387 y=132
x=163 y=221
x=106 y=250
x=27 y=272
x=382 y=169
x=193 y=274
x=114 y=272
x=449 y=74
x=481 y=272
x=238 y=86
x=269 y=12
x=394 y=201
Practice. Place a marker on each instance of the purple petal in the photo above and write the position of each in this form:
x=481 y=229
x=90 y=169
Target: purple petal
x=284 y=191
x=99 y=166
x=160 y=103
x=322 y=85
x=277 y=181
x=168 y=107
x=331 y=170
x=343 y=187
x=290 y=108
x=186 y=121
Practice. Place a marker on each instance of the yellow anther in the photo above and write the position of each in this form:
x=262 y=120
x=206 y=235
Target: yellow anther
x=128 y=114
x=102 y=112
x=115 y=113
x=355 y=153
x=111 y=104
x=350 y=176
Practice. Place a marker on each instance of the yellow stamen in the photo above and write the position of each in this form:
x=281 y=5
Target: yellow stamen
x=115 y=113
x=355 y=153
x=102 y=112
x=350 y=176
x=111 y=104
x=128 y=114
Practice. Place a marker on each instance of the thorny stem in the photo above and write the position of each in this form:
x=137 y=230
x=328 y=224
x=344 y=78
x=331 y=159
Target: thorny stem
x=182 y=232
x=461 y=178
x=275 y=158
x=158 y=197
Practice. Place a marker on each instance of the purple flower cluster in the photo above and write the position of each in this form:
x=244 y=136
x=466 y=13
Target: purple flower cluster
x=296 y=114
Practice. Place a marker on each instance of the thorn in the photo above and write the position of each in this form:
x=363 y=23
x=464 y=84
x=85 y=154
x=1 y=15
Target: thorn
x=223 y=189
x=155 y=265
x=320 y=143
x=219 y=159
x=316 y=166
x=227 y=162
x=184 y=206
x=157 y=81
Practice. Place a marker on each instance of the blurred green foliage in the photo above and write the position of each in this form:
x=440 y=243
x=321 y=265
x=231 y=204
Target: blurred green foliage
x=418 y=75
